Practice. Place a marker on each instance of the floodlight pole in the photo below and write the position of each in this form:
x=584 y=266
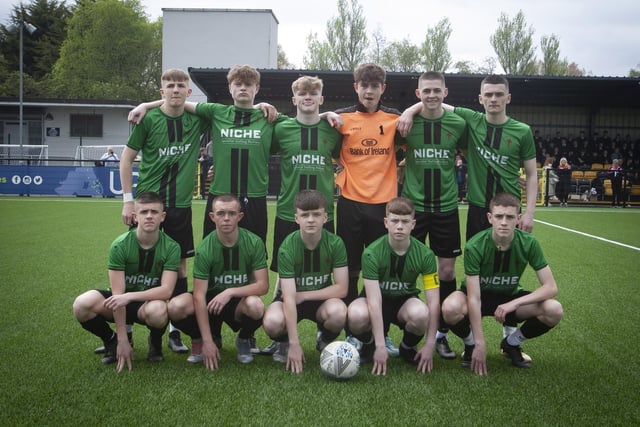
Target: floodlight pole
x=21 y=26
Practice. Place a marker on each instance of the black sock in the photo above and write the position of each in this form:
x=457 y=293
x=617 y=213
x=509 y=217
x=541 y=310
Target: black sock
x=249 y=326
x=462 y=328
x=327 y=335
x=99 y=327
x=410 y=340
x=533 y=328
x=446 y=288
x=188 y=325
x=365 y=338
x=155 y=336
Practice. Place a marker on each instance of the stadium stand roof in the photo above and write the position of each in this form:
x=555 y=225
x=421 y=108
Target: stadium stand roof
x=589 y=92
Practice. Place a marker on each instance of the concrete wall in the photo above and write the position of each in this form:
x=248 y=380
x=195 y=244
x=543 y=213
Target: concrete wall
x=218 y=38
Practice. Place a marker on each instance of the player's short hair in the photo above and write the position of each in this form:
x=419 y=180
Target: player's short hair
x=243 y=74
x=307 y=83
x=225 y=198
x=310 y=200
x=495 y=79
x=432 y=75
x=400 y=206
x=175 y=74
x=370 y=73
x=506 y=200
x=148 y=197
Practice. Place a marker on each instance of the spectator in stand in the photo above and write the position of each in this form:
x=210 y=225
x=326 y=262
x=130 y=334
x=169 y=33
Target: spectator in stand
x=564 y=180
x=616 y=176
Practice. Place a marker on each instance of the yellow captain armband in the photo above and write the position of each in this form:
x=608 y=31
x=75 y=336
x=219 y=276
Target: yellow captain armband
x=430 y=281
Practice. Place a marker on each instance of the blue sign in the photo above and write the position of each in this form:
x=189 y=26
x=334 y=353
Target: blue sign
x=61 y=180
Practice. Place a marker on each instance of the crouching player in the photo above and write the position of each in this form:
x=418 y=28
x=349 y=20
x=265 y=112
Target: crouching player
x=229 y=276
x=307 y=259
x=390 y=267
x=494 y=260
x=143 y=268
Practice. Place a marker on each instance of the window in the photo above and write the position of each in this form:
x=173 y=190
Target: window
x=86 y=125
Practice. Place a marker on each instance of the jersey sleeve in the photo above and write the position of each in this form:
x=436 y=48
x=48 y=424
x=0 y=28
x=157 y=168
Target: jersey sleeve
x=117 y=256
x=339 y=252
x=537 y=261
x=201 y=264
x=429 y=270
x=369 y=265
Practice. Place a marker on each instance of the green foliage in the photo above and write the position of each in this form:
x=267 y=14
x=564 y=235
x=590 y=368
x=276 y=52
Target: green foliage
x=513 y=44
x=41 y=49
x=283 y=61
x=402 y=56
x=435 y=48
x=551 y=64
x=635 y=72
x=346 y=40
x=108 y=43
x=583 y=371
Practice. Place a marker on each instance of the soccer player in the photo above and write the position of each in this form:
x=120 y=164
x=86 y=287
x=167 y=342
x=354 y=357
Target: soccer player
x=497 y=147
x=230 y=274
x=494 y=261
x=143 y=268
x=168 y=140
x=430 y=183
x=368 y=176
x=307 y=260
x=240 y=140
x=306 y=145
x=390 y=267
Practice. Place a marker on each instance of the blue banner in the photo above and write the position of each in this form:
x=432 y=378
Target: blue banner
x=61 y=180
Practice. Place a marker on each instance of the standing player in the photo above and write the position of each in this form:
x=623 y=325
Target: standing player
x=430 y=183
x=494 y=261
x=240 y=140
x=230 y=275
x=307 y=260
x=306 y=145
x=498 y=146
x=168 y=139
x=390 y=267
x=143 y=267
x=368 y=178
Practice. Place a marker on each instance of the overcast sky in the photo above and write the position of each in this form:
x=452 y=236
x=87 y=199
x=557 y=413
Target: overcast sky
x=602 y=37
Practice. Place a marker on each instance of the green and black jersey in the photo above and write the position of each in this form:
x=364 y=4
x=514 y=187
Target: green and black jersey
x=430 y=171
x=500 y=271
x=228 y=267
x=169 y=147
x=305 y=162
x=143 y=268
x=241 y=142
x=311 y=269
x=495 y=155
x=397 y=274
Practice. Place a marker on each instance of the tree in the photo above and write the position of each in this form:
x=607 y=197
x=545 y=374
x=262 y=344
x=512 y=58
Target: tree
x=468 y=67
x=401 y=56
x=377 y=45
x=635 y=72
x=551 y=64
x=283 y=61
x=110 y=52
x=513 y=44
x=319 y=55
x=575 y=71
x=40 y=49
x=346 y=40
x=435 y=49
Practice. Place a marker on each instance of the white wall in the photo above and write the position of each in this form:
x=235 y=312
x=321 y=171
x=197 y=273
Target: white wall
x=218 y=38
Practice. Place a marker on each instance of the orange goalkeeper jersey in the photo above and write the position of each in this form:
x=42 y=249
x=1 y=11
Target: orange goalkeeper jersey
x=368 y=154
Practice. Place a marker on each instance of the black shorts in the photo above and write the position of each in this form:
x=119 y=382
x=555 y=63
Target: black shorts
x=228 y=316
x=178 y=226
x=489 y=301
x=443 y=230
x=254 y=219
x=476 y=220
x=358 y=224
x=131 y=309
x=390 y=309
x=282 y=229
x=305 y=310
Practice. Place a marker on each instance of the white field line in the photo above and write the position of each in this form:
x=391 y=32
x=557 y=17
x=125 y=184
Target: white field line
x=588 y=235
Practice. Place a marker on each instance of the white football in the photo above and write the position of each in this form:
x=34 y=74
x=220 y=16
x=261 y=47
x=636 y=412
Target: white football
x=340 y=360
